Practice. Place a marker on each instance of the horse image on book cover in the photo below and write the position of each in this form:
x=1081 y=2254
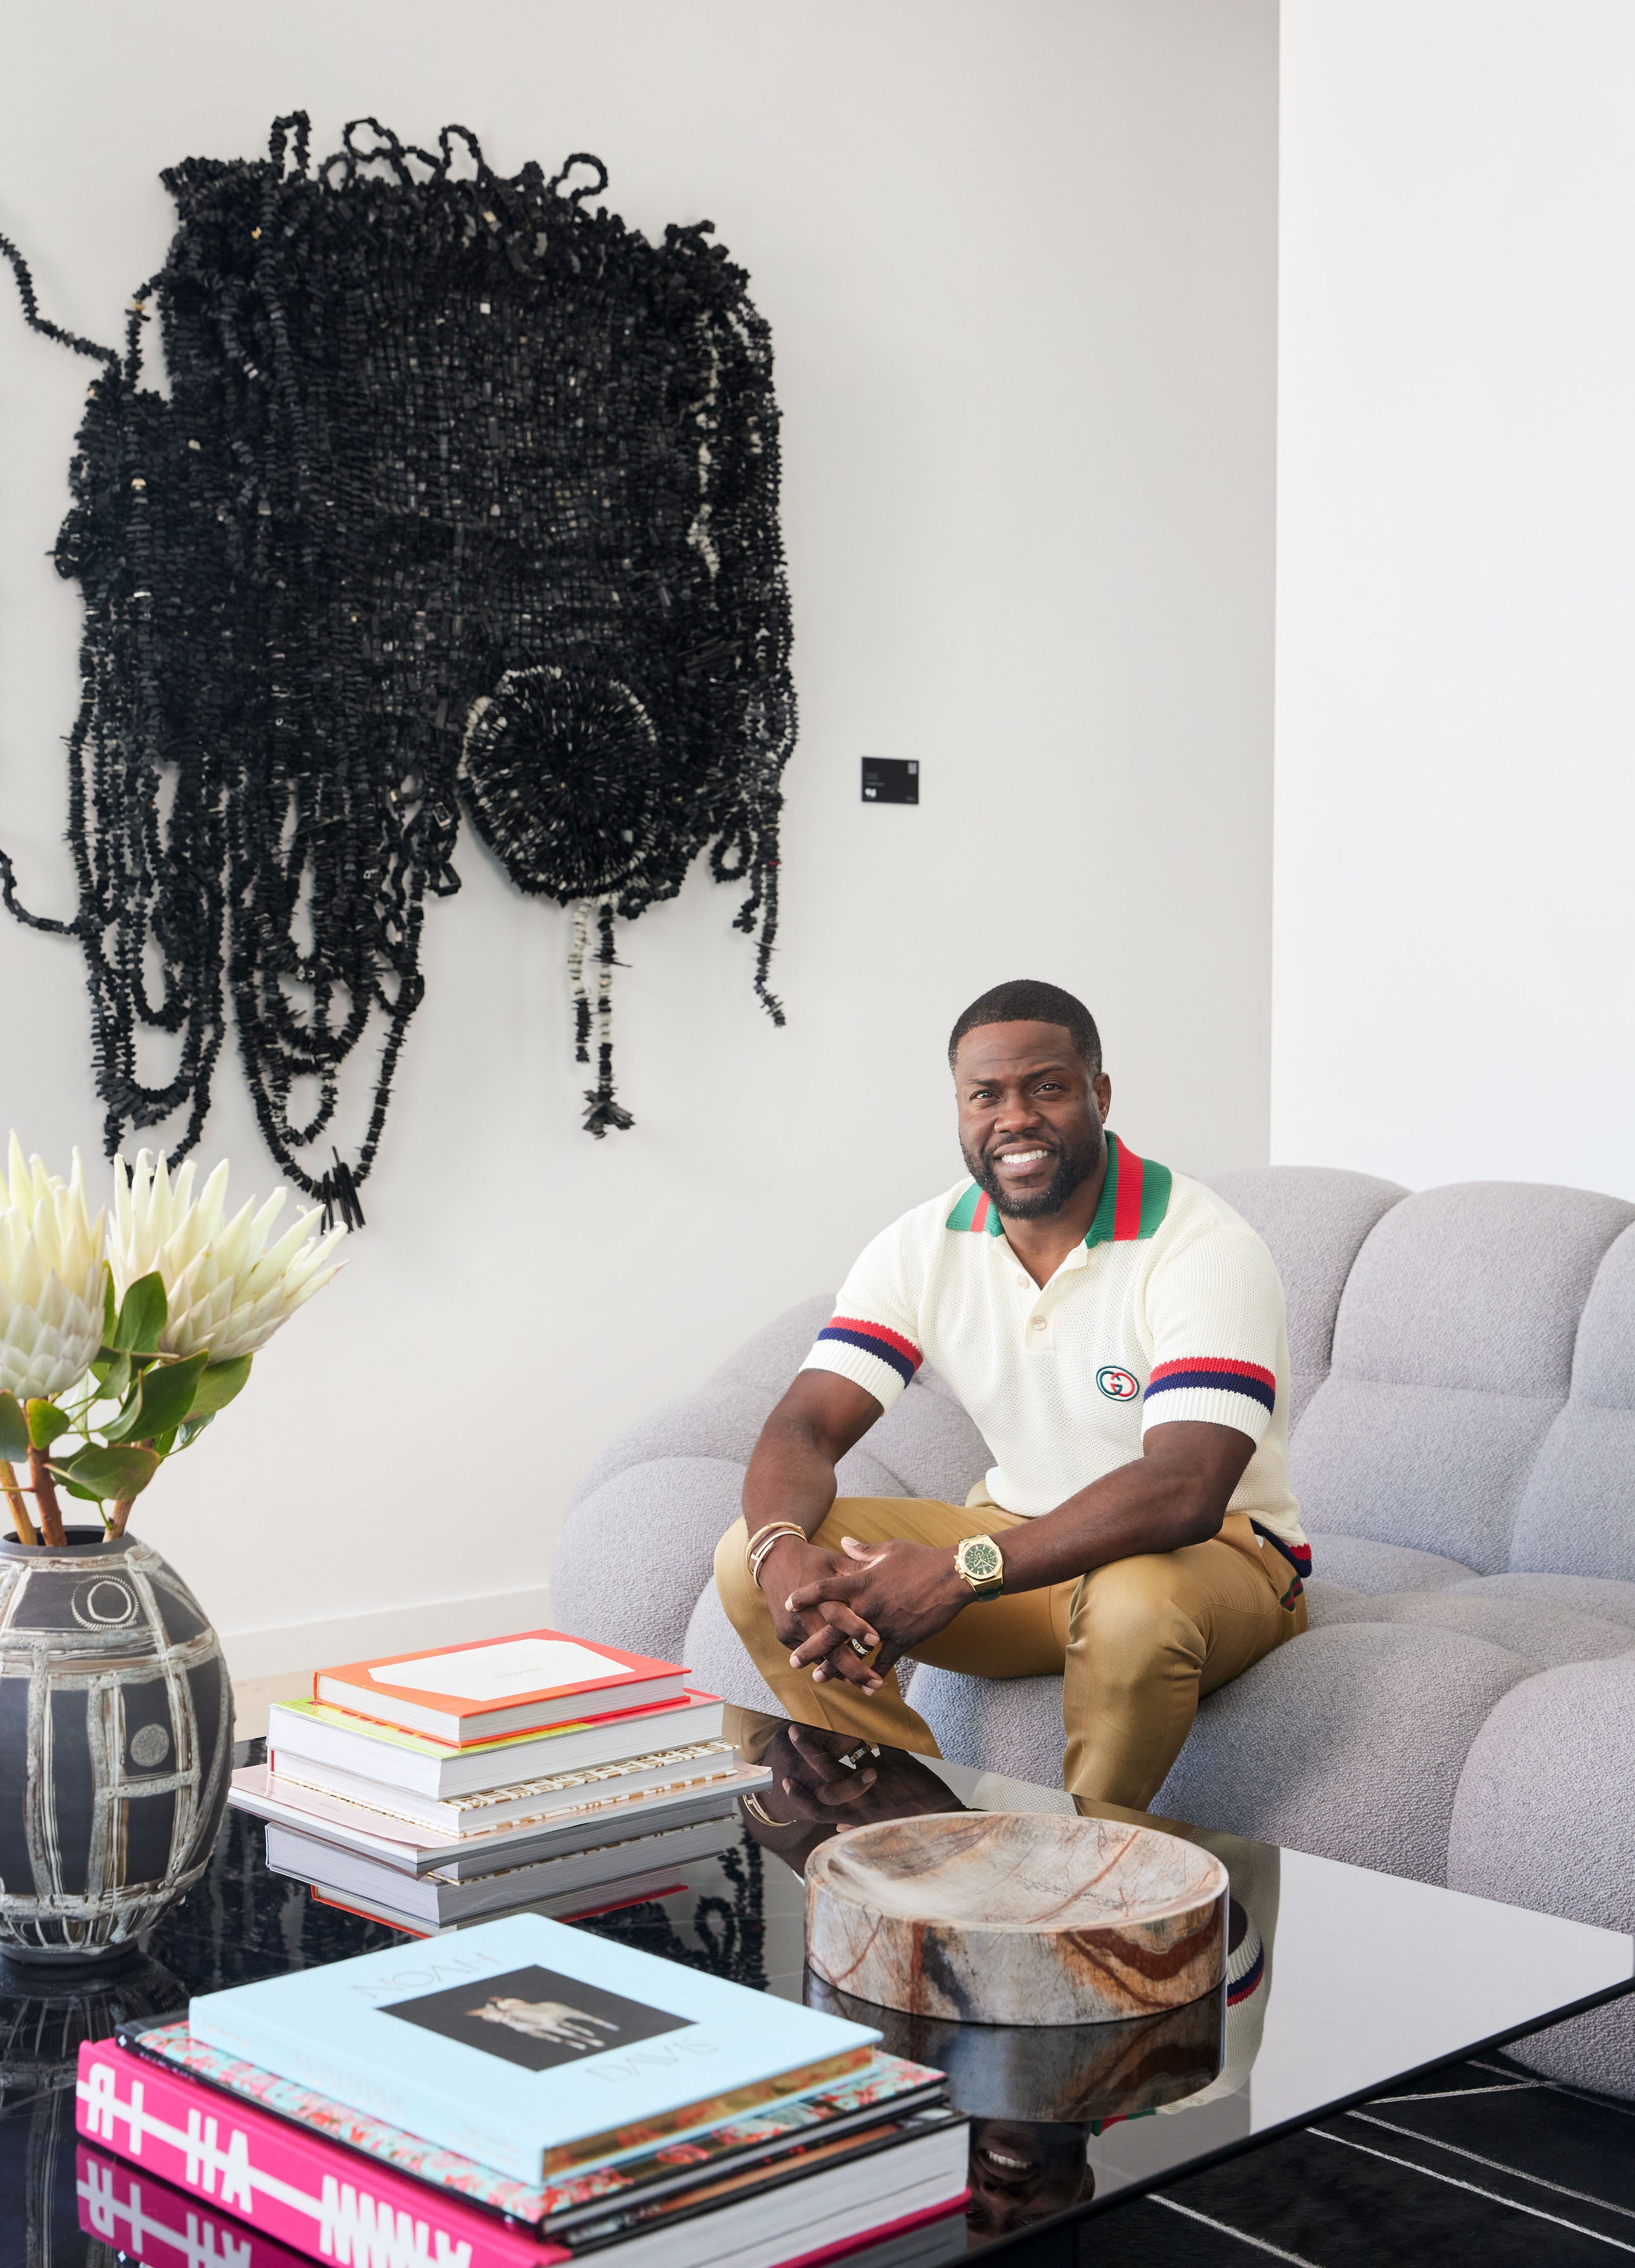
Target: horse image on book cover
x=536 y=2018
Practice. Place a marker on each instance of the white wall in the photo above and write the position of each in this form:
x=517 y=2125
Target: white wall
x=1455 y=962
x=1018 y=262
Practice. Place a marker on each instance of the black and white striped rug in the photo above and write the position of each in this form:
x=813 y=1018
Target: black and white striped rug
x=1481 y=2165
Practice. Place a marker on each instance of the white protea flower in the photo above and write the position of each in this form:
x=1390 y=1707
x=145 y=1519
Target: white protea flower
x=227 y=1290
x=50 y=1278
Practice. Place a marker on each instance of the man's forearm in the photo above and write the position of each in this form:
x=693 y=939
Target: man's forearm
x=1160 y=1503
x=790 y=1476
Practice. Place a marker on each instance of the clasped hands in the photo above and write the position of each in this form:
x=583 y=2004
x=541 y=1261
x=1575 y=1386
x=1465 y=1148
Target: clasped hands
x=884 y=1599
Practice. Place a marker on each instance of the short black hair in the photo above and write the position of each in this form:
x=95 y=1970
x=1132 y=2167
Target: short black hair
x=1027 y=1000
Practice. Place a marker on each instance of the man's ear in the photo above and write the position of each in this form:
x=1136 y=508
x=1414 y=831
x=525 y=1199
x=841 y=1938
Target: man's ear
x=1101 y=1088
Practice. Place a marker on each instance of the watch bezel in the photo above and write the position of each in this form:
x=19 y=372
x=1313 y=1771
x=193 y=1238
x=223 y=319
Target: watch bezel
x=989 y=1583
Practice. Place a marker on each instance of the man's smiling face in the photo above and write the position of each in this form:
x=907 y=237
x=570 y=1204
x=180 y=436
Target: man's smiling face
x=1031 y=1114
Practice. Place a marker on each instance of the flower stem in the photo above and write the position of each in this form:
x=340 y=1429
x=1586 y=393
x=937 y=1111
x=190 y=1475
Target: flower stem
x=20 y=1519
x=122 y=1513
x=45 y=1498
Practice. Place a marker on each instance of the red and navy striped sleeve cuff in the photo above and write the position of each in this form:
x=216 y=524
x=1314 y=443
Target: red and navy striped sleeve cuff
x=1215 y=1372
x=889 y=1347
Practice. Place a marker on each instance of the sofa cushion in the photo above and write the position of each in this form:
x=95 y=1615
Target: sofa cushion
x=635 y=1553
x=1348 y=1742
x=1361 y=1563
x=926 y=1436
x=715 y=1421
x=716 y=1660
x=1577 y=1515
x=1313 y=1220
x=1544 y=1819
x=1453 y=1352
x=1326 y=1601
x=1542 y=1633
x=1011 y=1724
x=1585 y=1594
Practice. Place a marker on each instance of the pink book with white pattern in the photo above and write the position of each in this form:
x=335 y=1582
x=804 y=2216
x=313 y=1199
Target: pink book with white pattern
x=307 y=2193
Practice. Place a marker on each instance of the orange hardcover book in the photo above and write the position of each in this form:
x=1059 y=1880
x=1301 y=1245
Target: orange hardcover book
x=499 y=1685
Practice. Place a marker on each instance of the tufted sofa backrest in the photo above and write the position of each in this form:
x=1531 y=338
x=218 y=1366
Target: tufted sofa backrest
x=1577 y=1514
x=1443 y=1421
x=1313 y=1220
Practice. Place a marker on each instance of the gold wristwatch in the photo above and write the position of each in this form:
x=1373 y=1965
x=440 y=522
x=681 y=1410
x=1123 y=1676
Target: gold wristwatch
x=979 y=1559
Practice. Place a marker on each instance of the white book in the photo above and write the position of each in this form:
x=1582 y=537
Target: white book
x=325 y=1736
x=540 y=1801
x=411 y=1849
x=437 y=1901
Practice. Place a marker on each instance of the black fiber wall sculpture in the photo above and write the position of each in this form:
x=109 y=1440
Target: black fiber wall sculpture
x=463 y=494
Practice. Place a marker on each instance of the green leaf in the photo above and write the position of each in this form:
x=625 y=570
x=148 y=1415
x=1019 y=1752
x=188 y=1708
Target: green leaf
x=112 y=1373
x=221 y=1382
x=191 y=1432
x=85 y=1495
x=104 y=1473
x=142 y=1317
x=161 y=1402
x=46 y=1421
x=14 y=1429
x=107 y=1303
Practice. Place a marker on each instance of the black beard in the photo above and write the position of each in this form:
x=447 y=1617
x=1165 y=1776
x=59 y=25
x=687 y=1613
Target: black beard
x=1073 y=1169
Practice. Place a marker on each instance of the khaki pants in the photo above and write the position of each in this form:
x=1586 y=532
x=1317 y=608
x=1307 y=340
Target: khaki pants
x=1136 y=1643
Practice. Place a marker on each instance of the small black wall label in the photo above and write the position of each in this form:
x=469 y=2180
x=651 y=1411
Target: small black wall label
x=889 y=779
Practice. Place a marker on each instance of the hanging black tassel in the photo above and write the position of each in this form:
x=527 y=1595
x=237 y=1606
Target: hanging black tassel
x=604 y=1110
x=346 y=1192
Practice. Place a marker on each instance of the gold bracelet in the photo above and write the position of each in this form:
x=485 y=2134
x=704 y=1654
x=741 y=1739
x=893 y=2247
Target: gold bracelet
x=765 y=1550
x=758 y=1812
x=761 y=1542
x=772 y=1533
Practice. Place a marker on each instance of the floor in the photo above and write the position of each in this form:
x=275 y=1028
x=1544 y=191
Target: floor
x=1479 y=2166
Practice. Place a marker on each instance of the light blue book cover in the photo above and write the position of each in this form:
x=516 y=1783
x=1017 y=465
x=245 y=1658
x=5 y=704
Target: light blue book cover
x=522 y=2042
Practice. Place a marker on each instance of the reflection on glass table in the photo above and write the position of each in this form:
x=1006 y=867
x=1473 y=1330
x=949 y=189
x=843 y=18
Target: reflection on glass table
x=1339 y=1982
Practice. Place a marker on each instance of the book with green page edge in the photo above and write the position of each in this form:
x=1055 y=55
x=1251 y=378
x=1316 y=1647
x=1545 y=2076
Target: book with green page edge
x=887 y=2085
x=529 y=2045
x=412 y=1761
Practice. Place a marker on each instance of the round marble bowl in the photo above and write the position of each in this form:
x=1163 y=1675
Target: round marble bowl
x=1016 y=1917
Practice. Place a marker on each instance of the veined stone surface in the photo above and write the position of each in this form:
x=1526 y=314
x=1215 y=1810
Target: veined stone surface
x=1016 y=1917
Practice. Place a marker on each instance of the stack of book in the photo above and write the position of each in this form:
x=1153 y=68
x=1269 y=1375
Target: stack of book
x=520 y=2094
x=430 y=1790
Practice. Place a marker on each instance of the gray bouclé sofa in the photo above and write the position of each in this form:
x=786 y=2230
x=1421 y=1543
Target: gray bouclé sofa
x=1463 y=1708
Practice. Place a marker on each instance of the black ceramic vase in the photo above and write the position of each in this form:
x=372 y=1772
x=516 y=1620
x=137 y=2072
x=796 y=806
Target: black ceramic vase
x=115 y=1746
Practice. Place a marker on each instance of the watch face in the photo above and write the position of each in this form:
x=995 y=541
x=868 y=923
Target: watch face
x=981 y=1560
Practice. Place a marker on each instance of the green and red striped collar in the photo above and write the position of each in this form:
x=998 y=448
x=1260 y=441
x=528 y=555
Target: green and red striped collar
x=1135 y=1197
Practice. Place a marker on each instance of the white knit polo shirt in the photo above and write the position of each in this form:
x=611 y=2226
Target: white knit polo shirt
x=1170 y=1309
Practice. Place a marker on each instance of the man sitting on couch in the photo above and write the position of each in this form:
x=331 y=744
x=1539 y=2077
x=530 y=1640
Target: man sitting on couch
x=1117 y=1334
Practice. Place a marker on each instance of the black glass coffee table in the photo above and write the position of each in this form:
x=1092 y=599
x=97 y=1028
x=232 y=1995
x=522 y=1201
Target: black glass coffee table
x=1340 y=1984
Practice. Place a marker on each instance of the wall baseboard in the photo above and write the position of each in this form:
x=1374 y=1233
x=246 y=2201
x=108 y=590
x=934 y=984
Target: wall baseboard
x=388 y=1630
